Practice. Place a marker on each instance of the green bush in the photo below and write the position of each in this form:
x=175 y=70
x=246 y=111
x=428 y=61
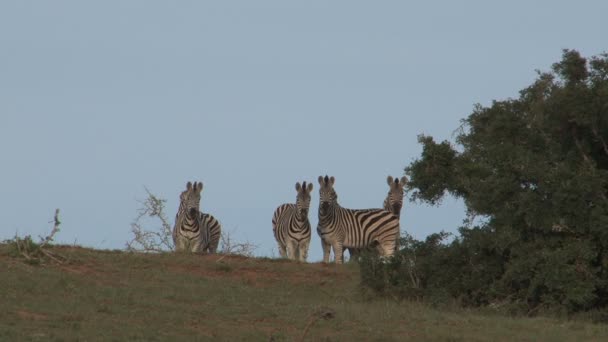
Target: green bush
x=475 y=270
x=535 y=168
x=435 y=270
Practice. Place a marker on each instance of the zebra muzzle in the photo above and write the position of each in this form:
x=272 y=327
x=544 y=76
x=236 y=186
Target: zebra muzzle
x=396 y=208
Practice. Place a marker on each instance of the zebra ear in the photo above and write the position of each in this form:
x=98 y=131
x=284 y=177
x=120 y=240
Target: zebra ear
x=389 y=180
x=199 y=188
x=189 y=186
x=332 y=180
x=321 y=180
x=403 y=181
x=298 y=187
x=309 y=187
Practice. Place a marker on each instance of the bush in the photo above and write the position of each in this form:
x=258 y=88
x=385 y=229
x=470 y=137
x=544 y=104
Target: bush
x=436 y=271
x=159 y=239
x=36 y=253
x=474 y=270
x=535 y=168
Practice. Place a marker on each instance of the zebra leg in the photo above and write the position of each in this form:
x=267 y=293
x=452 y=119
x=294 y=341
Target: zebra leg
x=326 y=250
x=303 y=248
x=213 y=246
x=196 y=246
x=282 y=251
x=387 y=248
x=353 y=253
x=291 y=250
x=338 y=253
x=187 y=245
x=180 y=245
x=296 y=251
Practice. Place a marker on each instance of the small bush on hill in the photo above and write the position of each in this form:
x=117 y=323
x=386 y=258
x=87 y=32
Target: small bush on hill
x=35 y=253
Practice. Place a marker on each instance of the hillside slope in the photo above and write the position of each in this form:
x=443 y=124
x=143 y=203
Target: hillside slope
x=113 y=295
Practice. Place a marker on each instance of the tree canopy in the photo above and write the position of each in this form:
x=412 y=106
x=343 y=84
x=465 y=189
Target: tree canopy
x=535 y=168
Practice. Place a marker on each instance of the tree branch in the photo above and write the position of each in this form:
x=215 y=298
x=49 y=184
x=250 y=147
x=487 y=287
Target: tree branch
x=599 y=137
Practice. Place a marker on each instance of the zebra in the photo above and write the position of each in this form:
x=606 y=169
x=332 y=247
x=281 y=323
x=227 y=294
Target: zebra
x=340 y=227
x=394 y=198
x=291 y=226
x=212 y=229
x=187 y=232
x=393 y=203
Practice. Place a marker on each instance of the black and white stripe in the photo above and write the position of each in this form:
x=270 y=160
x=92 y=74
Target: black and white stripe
x=340 y=227
x=393 y=203
x=394 y=198
x=291 y=226
x=187 y=233
x=212 y=230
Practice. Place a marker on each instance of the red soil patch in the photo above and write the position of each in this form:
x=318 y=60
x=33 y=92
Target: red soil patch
x=91 y=272
x=31 y=316
x=80 y=269
x=261 y=272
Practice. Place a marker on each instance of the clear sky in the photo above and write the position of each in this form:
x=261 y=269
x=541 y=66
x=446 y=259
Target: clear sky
x=99 y=99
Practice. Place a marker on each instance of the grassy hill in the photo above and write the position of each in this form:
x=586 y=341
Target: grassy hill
x=118 y=296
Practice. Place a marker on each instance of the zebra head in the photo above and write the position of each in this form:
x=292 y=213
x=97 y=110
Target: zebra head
x=190 y=199
x=303 y=199
x=394 y=199
x=327 y=195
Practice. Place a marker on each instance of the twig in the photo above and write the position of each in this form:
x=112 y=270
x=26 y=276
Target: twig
x=228 y=246
x=579 y=146
x=32 y=251
x=325 y=313
x=312 y=321
x=151 y=241
x=51 y=256
x=22 y=250
x=222 y=257
x=599 y=137
x=51 y=236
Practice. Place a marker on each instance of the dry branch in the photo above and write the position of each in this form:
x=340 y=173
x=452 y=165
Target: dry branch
x=324 y=313
x=229 y=246
x=37 y=252
x=158 y=240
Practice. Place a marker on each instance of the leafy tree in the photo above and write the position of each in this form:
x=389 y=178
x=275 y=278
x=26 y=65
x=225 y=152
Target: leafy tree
x=536 y=169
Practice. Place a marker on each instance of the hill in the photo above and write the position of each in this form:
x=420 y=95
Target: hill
x=114 y=295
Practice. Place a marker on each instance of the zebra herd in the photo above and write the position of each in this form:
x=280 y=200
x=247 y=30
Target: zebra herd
x=339 y=228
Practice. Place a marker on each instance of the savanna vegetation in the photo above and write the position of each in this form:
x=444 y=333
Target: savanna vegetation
x=121 y=296
x=529 y=264
x=533 y=173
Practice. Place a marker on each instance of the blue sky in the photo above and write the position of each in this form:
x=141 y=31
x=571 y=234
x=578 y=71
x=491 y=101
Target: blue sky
x=99 y=99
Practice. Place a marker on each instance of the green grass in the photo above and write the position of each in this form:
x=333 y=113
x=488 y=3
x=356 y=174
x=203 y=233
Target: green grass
x=117 y=296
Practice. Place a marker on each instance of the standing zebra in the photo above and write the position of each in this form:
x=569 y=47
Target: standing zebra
x=393 y=203
x=291 y=226
x=394 y=198
x=187 y=232
x=340 y=227
x=212 y=230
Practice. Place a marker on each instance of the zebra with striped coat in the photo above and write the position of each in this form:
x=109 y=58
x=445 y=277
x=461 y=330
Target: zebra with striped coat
x=394 y=199
x=187 y=232
x=393 y=203
x=353 y=228
x=212 y=230
x=291 y=226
